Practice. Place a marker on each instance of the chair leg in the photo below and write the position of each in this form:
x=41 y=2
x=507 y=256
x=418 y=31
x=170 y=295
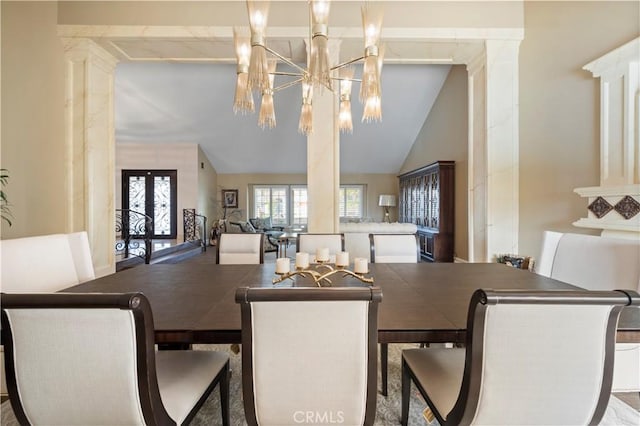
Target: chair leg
x=384 y=356
x=224 y=395
x=406 y=390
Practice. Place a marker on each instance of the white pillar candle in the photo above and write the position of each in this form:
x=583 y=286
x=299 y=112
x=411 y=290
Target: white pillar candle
x=302 y=260
x=360 y=265
x=342 y=258
x=322 y=254
x=282 y=265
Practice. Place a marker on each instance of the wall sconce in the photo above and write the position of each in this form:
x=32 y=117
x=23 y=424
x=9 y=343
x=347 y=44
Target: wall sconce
x=387 y=201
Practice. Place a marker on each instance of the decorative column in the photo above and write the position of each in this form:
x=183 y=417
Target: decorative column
x=90 y=146
x=323 y=158
x=493 y=151
x=477 y=173
x=614 y=206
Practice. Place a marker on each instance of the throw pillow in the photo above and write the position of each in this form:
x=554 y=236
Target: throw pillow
x=266 y=223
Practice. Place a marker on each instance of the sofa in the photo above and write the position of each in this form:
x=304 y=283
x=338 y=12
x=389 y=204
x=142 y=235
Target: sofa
x=356 y=235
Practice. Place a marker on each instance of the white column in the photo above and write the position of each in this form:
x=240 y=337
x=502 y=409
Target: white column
x=477 y=173
x=90 y=146
x=502 y=147
x=323 y=158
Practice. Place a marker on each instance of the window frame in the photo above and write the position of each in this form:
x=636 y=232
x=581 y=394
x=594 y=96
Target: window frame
x=290 y=208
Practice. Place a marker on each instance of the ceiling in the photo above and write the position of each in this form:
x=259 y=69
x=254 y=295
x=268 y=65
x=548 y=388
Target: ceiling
x=176 y=84
x=173 y=102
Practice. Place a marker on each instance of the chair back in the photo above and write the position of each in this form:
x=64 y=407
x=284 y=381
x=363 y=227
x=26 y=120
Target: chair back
x=45 y=263
x=591 y=262
x=79 y=359
x=518 y=373
x=394 y=248
x=309 y=355
x=81 y=252
x=309 y=243
x=245 y=248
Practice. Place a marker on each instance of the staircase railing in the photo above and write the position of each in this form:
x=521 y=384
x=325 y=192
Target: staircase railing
x=194 y=227
x=132 y=227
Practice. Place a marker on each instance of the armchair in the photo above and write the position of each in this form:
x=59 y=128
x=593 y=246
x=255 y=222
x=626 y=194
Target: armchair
x=103 y=369
x=270 y=242
x=309 y=352
x=514 y=373
x=264 y=224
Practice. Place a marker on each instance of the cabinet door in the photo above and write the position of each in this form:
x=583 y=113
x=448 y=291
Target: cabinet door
x=426 y=245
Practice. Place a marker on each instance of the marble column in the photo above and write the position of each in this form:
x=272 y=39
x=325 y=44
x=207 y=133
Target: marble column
x=493 y=151
x=323 y=158
x=476 y=176
x=90 y=145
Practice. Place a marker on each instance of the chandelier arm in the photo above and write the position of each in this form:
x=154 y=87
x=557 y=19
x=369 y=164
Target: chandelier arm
x=349 y=79
x=290 y=74
x=344 y=64
x=287 y=85
x=288 y=61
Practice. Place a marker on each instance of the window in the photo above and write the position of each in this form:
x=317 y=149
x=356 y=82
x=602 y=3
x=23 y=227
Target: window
x=287 y=205
x=299 y=196
x=351 y=200
x=271 y=201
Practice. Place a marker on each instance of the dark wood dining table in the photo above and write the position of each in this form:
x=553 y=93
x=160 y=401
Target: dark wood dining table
x=423 y=302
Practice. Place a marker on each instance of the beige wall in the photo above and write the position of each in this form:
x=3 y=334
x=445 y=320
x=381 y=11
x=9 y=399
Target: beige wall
x=559 y=108
x=376 y=184
x=207 y=188
x=32 y=136
x=444 y=137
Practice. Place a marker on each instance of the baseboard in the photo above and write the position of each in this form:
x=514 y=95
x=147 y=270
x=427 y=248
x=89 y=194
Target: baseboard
x=459 y=260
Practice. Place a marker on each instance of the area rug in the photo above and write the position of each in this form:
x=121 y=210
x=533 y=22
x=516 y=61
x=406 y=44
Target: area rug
x=388 y=408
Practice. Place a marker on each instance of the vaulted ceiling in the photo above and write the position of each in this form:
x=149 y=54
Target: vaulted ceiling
x=175 y=84
x=164 y=102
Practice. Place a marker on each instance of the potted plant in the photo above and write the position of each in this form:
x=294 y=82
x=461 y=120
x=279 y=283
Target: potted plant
x=5 y=211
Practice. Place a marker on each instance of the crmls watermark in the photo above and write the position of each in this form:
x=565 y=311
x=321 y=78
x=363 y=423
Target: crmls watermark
x=315 y=417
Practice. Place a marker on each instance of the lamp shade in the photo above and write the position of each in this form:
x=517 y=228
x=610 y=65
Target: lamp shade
x=386 y=200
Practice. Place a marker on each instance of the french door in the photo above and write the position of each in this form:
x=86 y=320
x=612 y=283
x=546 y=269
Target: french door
x=154 y=193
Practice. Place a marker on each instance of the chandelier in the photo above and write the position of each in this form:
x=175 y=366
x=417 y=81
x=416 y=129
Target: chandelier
x=256 y=71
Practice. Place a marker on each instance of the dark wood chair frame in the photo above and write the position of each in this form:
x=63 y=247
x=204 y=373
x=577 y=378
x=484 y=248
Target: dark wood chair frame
x=245 y=296
x=153 y=409
x=261 y=247
x=384 y=347
x=468 y=398
x=327 y=233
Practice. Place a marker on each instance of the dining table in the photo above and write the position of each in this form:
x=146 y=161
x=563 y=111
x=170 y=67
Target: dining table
x=422 y=302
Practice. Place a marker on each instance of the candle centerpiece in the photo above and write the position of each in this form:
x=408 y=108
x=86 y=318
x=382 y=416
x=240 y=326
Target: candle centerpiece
x=322 y=259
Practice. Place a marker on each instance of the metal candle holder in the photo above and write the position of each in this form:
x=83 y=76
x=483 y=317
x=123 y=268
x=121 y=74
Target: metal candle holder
x=318 y=276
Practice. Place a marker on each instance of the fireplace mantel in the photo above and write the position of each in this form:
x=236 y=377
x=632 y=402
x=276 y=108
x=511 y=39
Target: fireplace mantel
x=614 y=206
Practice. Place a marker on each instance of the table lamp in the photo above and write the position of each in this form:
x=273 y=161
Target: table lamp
x=387 y=201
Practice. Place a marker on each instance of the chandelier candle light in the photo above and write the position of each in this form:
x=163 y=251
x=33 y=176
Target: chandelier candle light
x=360 y=267
x=256 y=73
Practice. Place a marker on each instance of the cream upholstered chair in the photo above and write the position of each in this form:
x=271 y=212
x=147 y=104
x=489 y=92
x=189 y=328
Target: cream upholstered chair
x=245 y=248
x=530 y=358
x=89 y=359
x=42 y=264
x=598 y=263
x=81 y=253
x=309 y=243
x=394 y=248
x=45 y=263
x=309 y=355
